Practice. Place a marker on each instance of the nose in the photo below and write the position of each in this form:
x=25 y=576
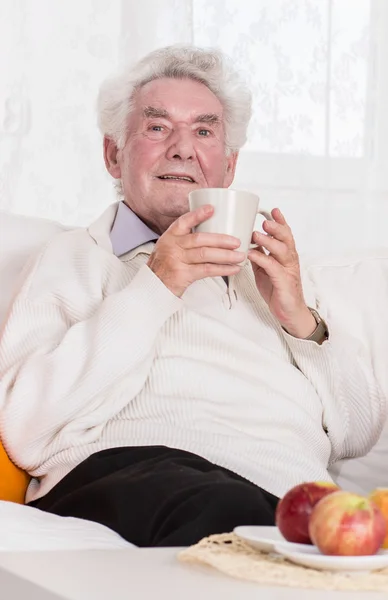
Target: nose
x=181 y=145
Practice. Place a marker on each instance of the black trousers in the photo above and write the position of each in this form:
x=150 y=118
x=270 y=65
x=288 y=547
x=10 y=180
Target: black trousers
x=158 y=496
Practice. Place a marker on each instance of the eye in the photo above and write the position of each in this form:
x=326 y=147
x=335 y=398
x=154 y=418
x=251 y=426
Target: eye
x=204 y=132
x=157 y=131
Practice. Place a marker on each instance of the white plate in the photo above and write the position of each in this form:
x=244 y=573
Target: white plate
x=311 y=557
x=264 y=538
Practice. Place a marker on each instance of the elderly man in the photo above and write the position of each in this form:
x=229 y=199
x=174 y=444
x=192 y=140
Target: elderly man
x=131 y=391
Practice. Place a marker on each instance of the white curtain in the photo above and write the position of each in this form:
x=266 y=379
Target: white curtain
x=318 y=145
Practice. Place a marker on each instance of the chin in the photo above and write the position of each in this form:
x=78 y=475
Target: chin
x=174 y=214
x=175 y=207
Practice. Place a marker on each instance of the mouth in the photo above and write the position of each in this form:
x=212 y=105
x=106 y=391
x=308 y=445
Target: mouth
x=176 y=178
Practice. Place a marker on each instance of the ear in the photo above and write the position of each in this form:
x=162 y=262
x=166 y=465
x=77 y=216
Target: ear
x=111 y=158
x=231 y=162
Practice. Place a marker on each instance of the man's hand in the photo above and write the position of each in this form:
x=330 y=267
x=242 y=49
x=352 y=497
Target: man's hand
x=181 y=257
x=278 y=277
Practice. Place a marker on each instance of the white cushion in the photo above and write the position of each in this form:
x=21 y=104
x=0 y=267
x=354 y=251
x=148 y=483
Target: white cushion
x=20 y=238
x=24 y=528
x=359 y=289
x=362 y=475
x=27 y=529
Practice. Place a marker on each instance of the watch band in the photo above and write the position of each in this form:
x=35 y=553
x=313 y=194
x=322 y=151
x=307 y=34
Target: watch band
x=321 y=332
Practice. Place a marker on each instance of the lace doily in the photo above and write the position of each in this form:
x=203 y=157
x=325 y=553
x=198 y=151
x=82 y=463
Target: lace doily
x=231 y=555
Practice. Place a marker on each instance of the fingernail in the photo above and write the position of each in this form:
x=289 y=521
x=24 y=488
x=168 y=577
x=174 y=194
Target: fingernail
x=240 y=255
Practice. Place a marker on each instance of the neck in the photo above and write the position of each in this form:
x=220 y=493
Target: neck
x=157 y=223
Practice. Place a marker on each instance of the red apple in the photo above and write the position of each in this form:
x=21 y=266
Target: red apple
x=346 y=524
x=294 y=509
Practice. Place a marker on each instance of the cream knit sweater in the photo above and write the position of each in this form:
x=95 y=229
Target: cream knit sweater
x=98 y=353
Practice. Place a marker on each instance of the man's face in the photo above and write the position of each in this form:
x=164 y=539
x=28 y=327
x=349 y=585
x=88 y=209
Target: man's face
x=175 y=144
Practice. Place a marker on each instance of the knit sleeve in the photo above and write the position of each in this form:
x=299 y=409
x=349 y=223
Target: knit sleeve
x=56 y=369
x=348 y=371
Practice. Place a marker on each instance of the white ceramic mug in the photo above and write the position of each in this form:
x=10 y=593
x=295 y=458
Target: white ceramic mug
x=235 y=213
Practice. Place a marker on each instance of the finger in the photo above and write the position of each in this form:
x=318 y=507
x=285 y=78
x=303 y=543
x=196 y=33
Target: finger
x=278 y=216
x=268 y=263
x=213 y=270
x=258 y=249
x=279 y=250
x=213 y=255
x=279 y=231
x=211 y=240
x=185 y=223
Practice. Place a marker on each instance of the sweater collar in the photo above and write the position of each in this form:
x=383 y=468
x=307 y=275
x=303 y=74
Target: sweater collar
x=101 y=231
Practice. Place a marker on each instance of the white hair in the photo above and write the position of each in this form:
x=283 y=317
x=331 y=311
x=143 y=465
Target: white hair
x=207 y=66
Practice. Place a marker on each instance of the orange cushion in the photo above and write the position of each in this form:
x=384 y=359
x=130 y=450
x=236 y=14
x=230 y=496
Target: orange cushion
x=13 y=481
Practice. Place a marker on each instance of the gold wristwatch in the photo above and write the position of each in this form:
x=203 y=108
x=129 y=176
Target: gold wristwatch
x=321 y=332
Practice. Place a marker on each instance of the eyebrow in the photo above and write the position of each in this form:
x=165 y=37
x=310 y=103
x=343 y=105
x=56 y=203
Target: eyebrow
x=210 y=118
x=151 y=112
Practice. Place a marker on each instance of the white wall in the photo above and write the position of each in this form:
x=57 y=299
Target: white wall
x=319 y=137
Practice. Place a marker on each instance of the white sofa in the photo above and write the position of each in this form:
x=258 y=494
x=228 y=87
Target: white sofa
x=20 y=237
